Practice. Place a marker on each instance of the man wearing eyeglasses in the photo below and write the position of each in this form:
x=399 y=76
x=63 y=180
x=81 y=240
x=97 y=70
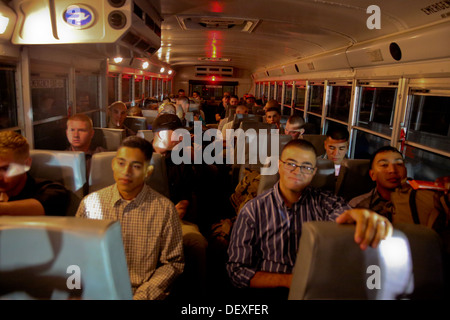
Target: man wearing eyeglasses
x=265 y=237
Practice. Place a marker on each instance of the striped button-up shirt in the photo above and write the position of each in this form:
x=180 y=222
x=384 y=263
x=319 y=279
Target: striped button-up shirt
x=266 y=234
x=151 y=233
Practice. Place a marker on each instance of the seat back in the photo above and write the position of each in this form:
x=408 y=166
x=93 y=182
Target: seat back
x=238 y=118
x=330 y=265
x=62 y=258
x=317 y=141
x=101 y=174
x=158 y=180
x=146 y=134
x=108 y=138
x=65 y=167
x=354 y=178
x=136 y=123
x=150 y=116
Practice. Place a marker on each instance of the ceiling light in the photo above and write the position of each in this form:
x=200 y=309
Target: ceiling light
x=145 y=65
x=162 y=70
x=3 y=24
x=170 y=72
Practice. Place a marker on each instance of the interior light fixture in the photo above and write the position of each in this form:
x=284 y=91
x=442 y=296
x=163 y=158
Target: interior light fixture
x=169 y=72
x=162 y=70
x=3 y=23
x=118 y=58
x=145 y=64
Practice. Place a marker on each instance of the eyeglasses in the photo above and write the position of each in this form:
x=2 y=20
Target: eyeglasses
x=292 y=166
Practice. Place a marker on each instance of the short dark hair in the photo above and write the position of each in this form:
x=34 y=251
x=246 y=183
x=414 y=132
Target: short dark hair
x=383 y=149
x=338 y=133
x=138 y=143
x=166 y=121
x=274 y=109
x=301 y=144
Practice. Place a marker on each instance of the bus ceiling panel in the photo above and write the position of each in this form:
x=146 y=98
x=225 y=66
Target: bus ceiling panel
x=287 y=30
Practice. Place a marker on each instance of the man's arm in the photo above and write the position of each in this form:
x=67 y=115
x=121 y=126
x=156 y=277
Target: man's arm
x=27 y=207
x=263 y=279
x=171 y=262
x=241 y=266
x=371 y=227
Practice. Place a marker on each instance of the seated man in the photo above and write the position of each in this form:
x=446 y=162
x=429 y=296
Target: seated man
x=183 y=188
x=117 y=113
x=273 y=116
x=294 y=127
x=266 y=259
x=222 y=108
x=20 y=193
x=150 y=225
x=336 y=147
x=395 y=199
x=240 y=109
x=79 y=133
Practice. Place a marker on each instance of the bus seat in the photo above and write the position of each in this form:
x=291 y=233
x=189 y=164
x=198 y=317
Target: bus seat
x=158 y=180
x=354 y=179
x=101 y=174
x=330 y=265
x=189 y=117
x=150 y=116
x=252 y=118
x=146 y=134
x=324 y=177
x=108 y=138
x=136 y=123
x=194 y=107
x=317 y=140
x=66 y=167
x=60 y=258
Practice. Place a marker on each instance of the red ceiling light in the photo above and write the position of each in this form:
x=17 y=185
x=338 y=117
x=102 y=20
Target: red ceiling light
x=216 y=7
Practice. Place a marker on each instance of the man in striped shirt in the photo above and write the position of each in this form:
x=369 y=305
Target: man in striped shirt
x=151 y=229
x=265 y=237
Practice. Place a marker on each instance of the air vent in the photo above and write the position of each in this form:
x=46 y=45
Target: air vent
x=205 y=71
x=214 y=59
x=219 y=23
x=145 y=34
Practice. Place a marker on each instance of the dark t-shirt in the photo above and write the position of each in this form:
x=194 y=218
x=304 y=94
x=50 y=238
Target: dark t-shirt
x=53 y=196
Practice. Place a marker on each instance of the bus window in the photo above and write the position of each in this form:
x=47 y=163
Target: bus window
x=366 y=144
x=8 y=108
x=316 y=99
x=49 y=101
x=112 y=88
x=315 y=123
x=279 y=92
x=339 y=107
x=429 y=121
x=126 y=88
x=425 y=165
x=87 y=92
x=287 y=99
x=376 y=109
x=300 y=93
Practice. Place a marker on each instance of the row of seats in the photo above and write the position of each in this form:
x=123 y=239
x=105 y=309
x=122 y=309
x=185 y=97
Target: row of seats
x=70 y=258
x=69 y=168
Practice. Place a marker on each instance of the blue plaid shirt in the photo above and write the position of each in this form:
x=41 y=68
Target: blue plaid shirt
x=266 y=234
